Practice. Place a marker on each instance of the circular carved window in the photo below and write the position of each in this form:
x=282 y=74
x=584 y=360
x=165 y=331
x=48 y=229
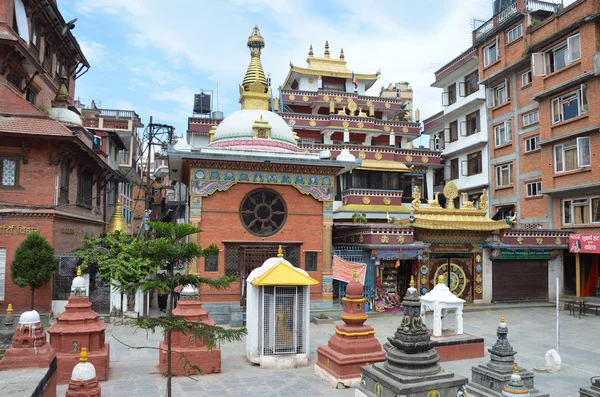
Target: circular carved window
x=263 y=212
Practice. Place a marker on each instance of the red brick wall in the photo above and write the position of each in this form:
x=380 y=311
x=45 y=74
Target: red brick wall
x=221 y=222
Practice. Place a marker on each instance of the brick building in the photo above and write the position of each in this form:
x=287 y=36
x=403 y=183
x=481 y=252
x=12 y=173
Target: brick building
x=53 y=174
x=540 y=65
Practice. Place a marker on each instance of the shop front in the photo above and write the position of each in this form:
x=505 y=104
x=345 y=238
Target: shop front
x=586 y=249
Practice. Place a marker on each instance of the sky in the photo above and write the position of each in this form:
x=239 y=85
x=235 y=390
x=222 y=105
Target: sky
x=152 y=56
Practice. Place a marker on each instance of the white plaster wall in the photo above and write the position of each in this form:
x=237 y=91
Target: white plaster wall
x=556 y=269
x=466 y=182
x=487 y=277
x=198 y=141
x=429 y=181
x=304 y=85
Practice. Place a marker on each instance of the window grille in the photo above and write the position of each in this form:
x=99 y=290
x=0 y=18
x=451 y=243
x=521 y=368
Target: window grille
x=282 y=321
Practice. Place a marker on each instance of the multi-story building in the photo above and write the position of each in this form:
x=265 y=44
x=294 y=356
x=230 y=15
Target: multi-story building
x=461 y=130
x=120 y=129
x=539 y=64
x=53 y=176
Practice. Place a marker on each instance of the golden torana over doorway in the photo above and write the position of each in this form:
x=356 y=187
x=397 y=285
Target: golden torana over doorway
x=457 y=272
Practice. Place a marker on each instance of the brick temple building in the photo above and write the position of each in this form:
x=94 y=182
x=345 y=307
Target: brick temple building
x=53 y=175
x=540 y=66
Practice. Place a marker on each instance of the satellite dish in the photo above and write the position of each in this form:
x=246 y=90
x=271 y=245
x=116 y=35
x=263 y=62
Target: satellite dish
x=69 y=26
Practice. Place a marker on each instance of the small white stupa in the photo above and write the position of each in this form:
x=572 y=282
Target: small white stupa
x=441 y=301
x=278 y=314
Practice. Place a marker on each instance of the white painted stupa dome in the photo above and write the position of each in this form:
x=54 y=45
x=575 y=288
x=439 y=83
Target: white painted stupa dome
x=30 y=317
x=84 y=370
x=64 y=115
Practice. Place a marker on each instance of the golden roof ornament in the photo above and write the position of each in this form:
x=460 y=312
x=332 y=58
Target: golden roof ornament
x=211 y=133
x=310 y=52
x=254 y=90
x=412 y=281
x=441 y=279
x=280 y=252
x=61 y=100
x=342 y=54
x=117 y=221
x=502 y=318
x=516 y=368
x=451 y=192
x=327 y=49
x=9 y=308
x=83 y=356
x=78 y=271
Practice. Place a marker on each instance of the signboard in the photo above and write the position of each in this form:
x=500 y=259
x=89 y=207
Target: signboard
x=507 y=254
x=451 y=247
x=584 y=243
x=343 y=270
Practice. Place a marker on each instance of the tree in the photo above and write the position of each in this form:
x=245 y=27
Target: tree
x=401 y=114
x=166 y=247
x=116 y=256
x=34 y=263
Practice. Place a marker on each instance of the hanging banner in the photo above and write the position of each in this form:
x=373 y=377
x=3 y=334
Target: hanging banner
x=584 y=243
x=343 y=270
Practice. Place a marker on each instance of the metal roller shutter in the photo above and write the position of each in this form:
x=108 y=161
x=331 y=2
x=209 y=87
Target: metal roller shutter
x=523 y=280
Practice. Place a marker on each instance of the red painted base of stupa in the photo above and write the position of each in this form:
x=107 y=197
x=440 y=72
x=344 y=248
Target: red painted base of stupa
x=68 y=361
x=189 y=346
x=451 y=347
x=84 y=388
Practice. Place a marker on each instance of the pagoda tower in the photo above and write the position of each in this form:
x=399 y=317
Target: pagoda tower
x=353 y=344
x=188 y=346
x=84 y=382
x=76 y=328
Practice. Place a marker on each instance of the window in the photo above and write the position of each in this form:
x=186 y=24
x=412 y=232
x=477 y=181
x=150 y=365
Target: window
x=63 y=197
x=473 y=125
x=48 y=53
x=569 y=106
x=499 y=94
x=15 y=80
x=559 y=56
x=453 y=131
x=503 y=212
x=581 y=211
x=2 y=274
x=532 y=143
x=526 y=78
x=30 y=95
x=20 y=24
x=85 y=187
x=58 y=68
x=503 y=133
x=474 y=163
x=9 y=168
x=454 y=169
x=35 y=34
x=452 y=94
x=263 y=212
x=504 y=175
x=572 y=155
x=211 y=262
x=491 y=53
x=533 y=188
x=438 y=177
x=470 y=85
x=514 y=33
x=531 y=118
x=310 y=261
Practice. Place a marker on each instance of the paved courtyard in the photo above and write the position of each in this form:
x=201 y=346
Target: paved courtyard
x=531 y=332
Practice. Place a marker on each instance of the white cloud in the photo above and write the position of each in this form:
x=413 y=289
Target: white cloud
x=95 y=52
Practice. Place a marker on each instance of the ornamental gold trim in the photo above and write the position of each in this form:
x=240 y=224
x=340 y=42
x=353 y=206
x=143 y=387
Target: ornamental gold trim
x=378 y=156
x=345 y=124
x=292 y=121
x=326 y=98
x=425 y=159
x=338 y=99
x=366 y=200
x=292 y=97
x=385 y=239
x=305 y=98
x=387 y=128
x=404 y=129
x=400 y=239
x=311 y=80
x=346 y=317
x=387 y=105
x=312 y=123
x=558 y=241
x=539 y=241
x=365 y=333
x=360 y=125
x=408 y=158
x=358 y=300
x=387 y=201
x=362 y=155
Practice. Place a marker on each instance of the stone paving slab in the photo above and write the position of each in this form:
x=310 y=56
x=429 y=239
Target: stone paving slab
x=531 y=333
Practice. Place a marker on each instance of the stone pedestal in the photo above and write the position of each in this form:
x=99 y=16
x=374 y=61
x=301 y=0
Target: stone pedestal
x=84 y=382
x=188 y=345
x=489 y=380
x=30 y=350
x=76 y=328
x=353 y=344
x=593 y=391
x=411 y=367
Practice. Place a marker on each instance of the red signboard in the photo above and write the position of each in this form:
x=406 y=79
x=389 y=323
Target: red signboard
x=344 y=270
x=584 y=243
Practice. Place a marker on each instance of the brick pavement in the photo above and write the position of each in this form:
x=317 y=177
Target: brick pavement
x=531 y=332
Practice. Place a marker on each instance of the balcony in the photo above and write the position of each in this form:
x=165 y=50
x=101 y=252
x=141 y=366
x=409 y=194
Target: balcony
x=373 y=197
x=506 y=16
x=339 y=97
x=118 y=114
x=383 y=154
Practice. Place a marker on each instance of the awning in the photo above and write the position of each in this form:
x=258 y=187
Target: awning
x=282 y=274
x=384 y=165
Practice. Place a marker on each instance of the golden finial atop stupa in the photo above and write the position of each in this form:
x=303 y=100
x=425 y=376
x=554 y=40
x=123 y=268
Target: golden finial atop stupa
x=502 y=318
x=327 y=49
x=78 y=271
x=441 y=279
x=412 y=281
x=117 y=221
x=9 y=308
x=254 y=90
x=342 y=54
x=83 y=356
x=61 y=100
x=211 y=132
x=516 y=368
x=280 y=252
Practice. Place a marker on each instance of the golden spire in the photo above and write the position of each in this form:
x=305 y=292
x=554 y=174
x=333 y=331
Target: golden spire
x=516 y=368
x=502 y=318
x=327 y=49
x=117 y=221
x=83 y=356
x=310 y=52
x=254 y=90
x=412 y=281
x=211 y=133
x=78 y=271
x=9 y=309
x=280 y=252
x=441 y=279
x=61 y=100
x=342 y=54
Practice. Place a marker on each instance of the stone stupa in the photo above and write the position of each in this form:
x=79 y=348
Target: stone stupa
x=412 y=365
x=489 y=379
